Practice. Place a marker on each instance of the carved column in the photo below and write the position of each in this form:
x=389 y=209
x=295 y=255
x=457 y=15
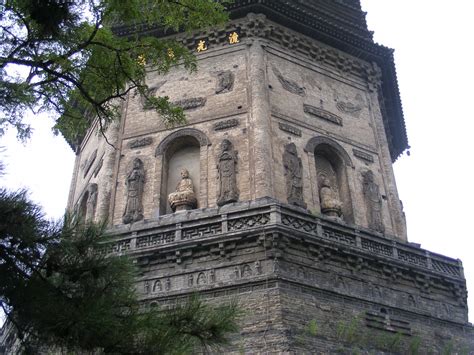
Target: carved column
x=313 y=179
x=204 y=181
x=260 y=139
x=159 y=201
x=357 y=213
x=107 y=181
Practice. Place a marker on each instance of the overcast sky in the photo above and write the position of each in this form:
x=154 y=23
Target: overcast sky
x=434 y=56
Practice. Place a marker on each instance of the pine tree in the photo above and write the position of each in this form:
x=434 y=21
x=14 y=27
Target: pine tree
x=60 y=290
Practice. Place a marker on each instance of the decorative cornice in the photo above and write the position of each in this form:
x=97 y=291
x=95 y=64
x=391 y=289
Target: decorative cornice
x=270 y=216
x=342 y=35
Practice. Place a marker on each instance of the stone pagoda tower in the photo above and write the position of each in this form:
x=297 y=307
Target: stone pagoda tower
x=279 y=191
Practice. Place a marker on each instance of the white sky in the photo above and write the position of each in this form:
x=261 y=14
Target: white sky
x=434 y=56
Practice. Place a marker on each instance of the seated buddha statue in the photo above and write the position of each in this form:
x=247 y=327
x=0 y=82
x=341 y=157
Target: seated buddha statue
x=331 y=206
x=184 y=197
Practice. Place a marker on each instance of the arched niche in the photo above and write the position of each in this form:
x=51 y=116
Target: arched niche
x=331 y=164
x=186 y=148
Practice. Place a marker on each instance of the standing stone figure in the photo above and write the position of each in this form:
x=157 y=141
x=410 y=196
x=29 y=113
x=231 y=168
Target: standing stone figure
x=331 y=206
x=294 y=176
x=91 y=202
x=226 y=168
x=373 y=202
x=135 y=182
x=184 y=197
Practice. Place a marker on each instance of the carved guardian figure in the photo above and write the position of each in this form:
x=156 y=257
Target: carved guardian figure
x=226 y=167
x=91 y=202
x=184 y=197
x=135 y=183
x=293 y=175
x=373 y=202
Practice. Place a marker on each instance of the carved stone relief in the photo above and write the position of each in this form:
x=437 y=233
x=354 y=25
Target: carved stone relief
x=184 y=197
x=345 y=105
x=363 y=155
x=290 y=129
x=294 y=176
x=91 y=202
x=289 y=85
x=141 y=142
x=88 y=163
x=135 y=182
x=219 y=126
x=160 y=285
x=98 y=167
x=227 y=170
x=225 y=82
x=188 y=104
x=322 y=114
x=157 y=287
x=243 y=271
x=201 y=279
x=151 y=92
x=373 y=202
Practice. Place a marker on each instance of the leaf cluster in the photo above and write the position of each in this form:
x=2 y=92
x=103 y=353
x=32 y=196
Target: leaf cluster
x=64 y=57
x=61 y=290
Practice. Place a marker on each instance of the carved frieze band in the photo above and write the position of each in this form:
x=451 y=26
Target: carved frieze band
x=363 y=155
x=227 y=124
x=290 y=129
x=205 y=277
x=258 y=26
x=319 y=277
x=322 y=114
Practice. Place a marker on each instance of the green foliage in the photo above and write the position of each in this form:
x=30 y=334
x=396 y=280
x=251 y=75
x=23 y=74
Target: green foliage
x=24 y=235
x=414 y=346
x=312 y=327
x=389 y=342
x=60 y=290
x=349 y=332
x=64 y=57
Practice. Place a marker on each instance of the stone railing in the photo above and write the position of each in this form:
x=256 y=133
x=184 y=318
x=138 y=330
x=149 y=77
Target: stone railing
x=198 y=225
